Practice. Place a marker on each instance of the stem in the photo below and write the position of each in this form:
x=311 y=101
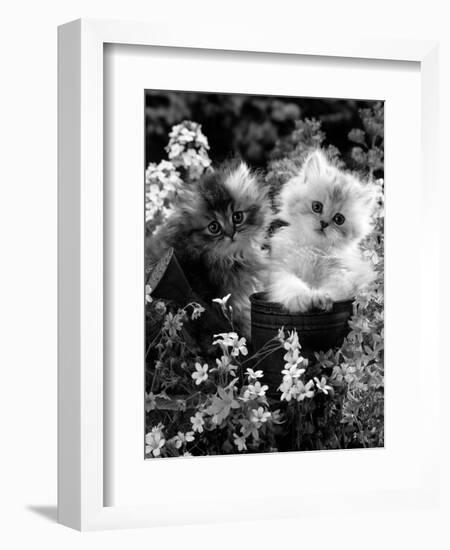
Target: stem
x=152 y=342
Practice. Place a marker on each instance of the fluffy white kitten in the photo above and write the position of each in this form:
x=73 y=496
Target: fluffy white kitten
x=316 y=259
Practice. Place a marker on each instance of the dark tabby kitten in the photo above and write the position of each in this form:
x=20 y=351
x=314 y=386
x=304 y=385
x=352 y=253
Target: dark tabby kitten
x=218 y=232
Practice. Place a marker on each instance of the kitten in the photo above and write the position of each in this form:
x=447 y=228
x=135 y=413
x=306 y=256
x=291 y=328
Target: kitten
x=218 y=232
x=316 y=259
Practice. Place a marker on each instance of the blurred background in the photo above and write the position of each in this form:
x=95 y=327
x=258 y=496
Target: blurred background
x=248 y=125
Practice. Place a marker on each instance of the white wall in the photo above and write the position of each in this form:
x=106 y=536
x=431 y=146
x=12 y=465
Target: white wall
x=28 y=266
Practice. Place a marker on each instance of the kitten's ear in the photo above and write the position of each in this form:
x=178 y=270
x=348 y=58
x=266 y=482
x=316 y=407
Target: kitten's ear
x=316 y=165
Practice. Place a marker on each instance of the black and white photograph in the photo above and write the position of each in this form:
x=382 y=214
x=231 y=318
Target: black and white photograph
x=224 y=299
x=264 y=250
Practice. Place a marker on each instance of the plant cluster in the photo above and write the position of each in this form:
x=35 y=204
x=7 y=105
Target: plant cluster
x=188 y=159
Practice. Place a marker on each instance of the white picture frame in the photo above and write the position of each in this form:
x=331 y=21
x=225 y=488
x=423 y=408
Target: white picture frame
x=81 y=407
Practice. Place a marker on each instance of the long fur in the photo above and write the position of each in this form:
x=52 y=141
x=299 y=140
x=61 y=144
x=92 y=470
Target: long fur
x=311 y=266
x=232 y=262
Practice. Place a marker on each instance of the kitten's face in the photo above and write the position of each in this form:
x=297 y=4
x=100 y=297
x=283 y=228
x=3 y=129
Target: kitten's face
x=329 y=207
x=226 y=214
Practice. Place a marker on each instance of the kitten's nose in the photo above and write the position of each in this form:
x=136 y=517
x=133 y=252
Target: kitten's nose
x=323 y=224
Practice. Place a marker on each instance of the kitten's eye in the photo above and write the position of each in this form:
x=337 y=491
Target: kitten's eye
x=214 y=228
x=238 y=217
x=317 y=207
x=339 y=219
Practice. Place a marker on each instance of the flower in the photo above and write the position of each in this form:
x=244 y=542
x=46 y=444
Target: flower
x=287 y=391
x=155 y=441
x=148 y=291
x=254 y=375
x=293 y=357
x=254 y=391
x=201 y=373
x=291 y=373
x=225 y=363
x=239 y=347
x=259 y=416
x=188 y=148
x=322 y=385
x=304 y=390
x=197 y=422
x=240 y=443
x=197 y=311
x=226 y=339
x=160 y=307
x=161 y=184
x=292 y=343
x=231 y=340
x=181 y=439
x=173 y=324
x=222 y=301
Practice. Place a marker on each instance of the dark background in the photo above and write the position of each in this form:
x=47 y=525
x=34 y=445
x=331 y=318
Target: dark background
x=248 y=125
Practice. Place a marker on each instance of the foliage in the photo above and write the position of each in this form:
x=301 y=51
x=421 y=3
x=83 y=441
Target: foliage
x=200 y=404
x=249 y=125
x=368 y=154
x=220 y=404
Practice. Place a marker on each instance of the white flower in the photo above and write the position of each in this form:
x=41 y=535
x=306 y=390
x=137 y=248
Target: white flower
x=175 y=150
x=181 y=439
x=155 y=441
x=225 y=363
x=173 y=324
x=259 y=416
x=188 y=148
x=161 y=184
x=222 y=301
x=254 y=391
x=240 y=443
x=239 y=347
x=197 y=422
x=304 y=390
x=322 y=385
x=292 y=343
x=226 y=339
x=293 y=357
x=254 y=375
x=201 y=373
x=231 y=340
x=287 y=390
x=291 y=372
x=197 y=311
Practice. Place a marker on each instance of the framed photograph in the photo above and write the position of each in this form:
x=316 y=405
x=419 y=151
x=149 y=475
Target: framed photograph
x=247 y=274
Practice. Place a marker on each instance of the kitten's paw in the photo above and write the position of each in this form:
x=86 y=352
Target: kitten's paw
x=298 y=303
x=291 y=292
x=321 y=300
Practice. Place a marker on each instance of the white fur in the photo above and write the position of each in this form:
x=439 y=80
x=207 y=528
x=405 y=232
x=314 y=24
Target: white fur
x=242 y=184
x=310 y=267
